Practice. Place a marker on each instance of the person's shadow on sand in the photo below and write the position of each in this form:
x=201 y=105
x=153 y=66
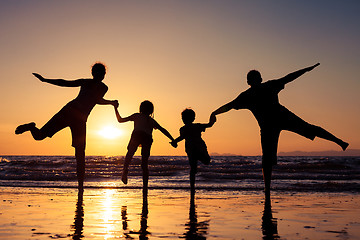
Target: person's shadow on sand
x=195 y=229
x=269 y=223
x=78 y=225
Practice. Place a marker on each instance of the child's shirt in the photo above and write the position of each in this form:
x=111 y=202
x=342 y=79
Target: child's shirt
x=144 y=123
x=192 y=132
x=192 y=135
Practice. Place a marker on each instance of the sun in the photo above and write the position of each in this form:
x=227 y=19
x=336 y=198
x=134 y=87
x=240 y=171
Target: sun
x=110 y=132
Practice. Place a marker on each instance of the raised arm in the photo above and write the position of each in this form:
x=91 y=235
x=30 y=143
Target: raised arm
x=225 y=108
x=164 y=131
x=60 y=82
x=212 y=120
x=103 y=101
x=120 y=119
x=292 y=76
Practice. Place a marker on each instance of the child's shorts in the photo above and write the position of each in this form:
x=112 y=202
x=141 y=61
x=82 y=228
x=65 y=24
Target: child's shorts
x=197 y=151
x=143 y=139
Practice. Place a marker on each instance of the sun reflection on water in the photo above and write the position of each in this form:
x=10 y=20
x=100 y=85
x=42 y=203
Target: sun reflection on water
x=109 y=214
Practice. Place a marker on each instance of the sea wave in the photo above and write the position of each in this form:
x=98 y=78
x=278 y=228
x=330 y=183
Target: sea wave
x=223 y=173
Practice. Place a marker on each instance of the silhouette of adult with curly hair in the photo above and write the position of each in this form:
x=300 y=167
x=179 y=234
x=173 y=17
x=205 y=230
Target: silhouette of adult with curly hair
x=74 y=114
x=262 y=100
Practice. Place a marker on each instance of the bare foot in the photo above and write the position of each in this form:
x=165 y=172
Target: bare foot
x=124 y=179
x=344 y=145
x=25 y=127
x=124 y=176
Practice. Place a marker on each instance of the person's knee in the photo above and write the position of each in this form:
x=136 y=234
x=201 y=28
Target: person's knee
x=39 y=138
x=38 y=135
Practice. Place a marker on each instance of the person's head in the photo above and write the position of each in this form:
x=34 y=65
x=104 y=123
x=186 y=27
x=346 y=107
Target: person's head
x=254 y=78
x=98 y=71
x=146 y=107
x=188 y=116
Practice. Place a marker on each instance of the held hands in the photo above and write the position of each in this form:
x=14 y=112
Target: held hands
x=41 y=78
x=212 y=118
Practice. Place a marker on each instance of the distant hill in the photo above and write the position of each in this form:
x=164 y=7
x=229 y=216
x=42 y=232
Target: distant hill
x=349 y=152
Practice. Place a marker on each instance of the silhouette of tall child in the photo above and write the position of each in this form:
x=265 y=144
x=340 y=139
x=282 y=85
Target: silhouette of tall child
x=263 y=101
x=74 y=114
x=141 y=136
x=195 y=146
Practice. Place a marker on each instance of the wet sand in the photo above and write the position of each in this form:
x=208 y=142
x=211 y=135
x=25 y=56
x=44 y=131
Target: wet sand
x=47 y=213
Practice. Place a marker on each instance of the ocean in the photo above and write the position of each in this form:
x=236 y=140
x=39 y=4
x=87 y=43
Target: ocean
x=224 y=173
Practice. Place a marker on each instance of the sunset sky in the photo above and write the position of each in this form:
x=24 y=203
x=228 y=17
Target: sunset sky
x=179 y=54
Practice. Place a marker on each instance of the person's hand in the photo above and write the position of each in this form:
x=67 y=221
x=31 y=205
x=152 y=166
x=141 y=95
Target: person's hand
x=115 y=104
x=314 y=66
x=39 y=77
x=174 y=144
x=212 y=118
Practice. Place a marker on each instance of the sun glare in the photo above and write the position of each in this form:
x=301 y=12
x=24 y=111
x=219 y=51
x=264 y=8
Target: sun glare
x=110 y=132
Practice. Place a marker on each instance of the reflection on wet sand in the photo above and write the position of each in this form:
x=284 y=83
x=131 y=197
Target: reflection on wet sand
x=143 y=233
x=195 y=229
x=78 y=225
x=269 y=223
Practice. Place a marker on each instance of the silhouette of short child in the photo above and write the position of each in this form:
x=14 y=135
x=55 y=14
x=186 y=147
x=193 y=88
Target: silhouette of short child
x=141 y=136
x=195 y=146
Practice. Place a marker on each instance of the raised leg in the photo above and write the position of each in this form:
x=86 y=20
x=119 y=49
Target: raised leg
x=128 y=157
x=322 y=133
x=35 y=132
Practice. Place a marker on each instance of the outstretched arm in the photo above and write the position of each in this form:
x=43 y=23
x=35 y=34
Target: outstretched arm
x=212 y=120
x=103 y=101
x=292 y=76
x=166 y=133
x=60 y=82
x=119 y=118
x=176 y=140
x=225 y=108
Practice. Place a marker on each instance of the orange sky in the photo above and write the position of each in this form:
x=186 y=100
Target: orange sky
x=179 y=54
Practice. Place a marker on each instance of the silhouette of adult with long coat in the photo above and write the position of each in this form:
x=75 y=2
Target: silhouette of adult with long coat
x=74 y=114
x=262 y=100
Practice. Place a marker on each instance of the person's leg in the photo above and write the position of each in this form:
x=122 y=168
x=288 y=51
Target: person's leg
x=145 y=170
x=80 y=166
x=299 y=126
x=322 y=133
x=129 y=155
x=269 y=143
x=35 y=132
x=132 y=147
x=267 y=171
x=203 y=154
x=78 y=134
x=193 y=171
x=145 y=154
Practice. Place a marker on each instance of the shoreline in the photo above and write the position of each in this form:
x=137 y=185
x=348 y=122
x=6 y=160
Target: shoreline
x=40 y=213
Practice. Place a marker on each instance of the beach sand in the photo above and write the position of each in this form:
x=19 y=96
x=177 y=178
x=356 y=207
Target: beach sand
x=55 y=213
